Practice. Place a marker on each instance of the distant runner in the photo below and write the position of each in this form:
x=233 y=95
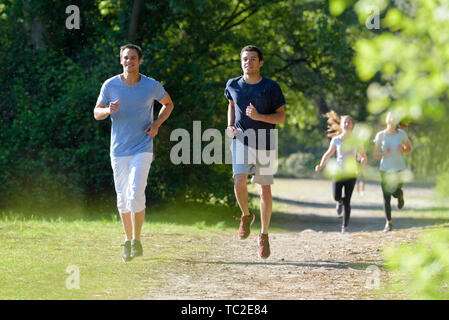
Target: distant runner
x=390 y=144
x=339 y=130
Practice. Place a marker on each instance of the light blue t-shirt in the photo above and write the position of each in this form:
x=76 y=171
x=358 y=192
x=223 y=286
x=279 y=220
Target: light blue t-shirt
x=135 y=113
x=392 y=162
x=342 y=153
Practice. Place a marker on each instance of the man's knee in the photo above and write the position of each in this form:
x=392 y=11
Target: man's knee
x=240 y=181
x=265 y=192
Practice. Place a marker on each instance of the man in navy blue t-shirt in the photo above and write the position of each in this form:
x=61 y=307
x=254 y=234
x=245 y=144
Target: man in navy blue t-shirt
x=256 y=105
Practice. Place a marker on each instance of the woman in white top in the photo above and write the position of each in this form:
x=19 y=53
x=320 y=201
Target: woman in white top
x=390 y=144
x=339 y=129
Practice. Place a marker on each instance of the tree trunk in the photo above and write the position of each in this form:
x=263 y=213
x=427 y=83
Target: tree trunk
x=34 y=26
x=134 y=22
x=322 y=105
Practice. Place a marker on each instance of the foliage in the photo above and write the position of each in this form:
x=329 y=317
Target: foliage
x=406 y=62
x=298 y=164
x=409 y=56
x=421 y=269
x=54 y=152
x=412 y=57
x=443 y=184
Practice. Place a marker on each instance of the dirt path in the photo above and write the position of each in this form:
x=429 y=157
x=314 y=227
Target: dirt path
x=311 y=260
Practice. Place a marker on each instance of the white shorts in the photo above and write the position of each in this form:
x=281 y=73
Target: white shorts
x=130 y=179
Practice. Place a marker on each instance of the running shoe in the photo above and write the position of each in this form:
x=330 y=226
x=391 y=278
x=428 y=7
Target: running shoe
x=136 y=249
x=344 y=229
x=388 y=227
x=339 y=208
x=264 y=246
x=245 y=225
x=126 y=251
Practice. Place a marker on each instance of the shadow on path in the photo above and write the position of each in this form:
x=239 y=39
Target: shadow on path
x=309 y=264
x=326 y=205
x=311 y=221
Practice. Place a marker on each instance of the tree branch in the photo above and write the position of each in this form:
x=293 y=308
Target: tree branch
x=227 y=25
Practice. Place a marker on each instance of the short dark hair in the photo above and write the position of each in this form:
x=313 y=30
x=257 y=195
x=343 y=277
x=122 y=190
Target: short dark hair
x=252 y=48
x=131 y=46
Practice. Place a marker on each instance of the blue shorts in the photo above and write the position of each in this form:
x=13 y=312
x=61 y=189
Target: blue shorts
x=261 y=164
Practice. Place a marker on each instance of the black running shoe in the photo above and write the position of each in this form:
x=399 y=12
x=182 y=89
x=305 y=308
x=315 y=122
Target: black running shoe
x=136 y=248
x=127 y=251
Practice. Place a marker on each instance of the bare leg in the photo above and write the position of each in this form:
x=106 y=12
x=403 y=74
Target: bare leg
x=241 y=192
x=137 y=223
x=127 y=225
x=265 y=207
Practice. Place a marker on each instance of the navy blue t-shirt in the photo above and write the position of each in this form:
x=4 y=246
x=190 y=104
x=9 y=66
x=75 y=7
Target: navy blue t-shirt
x=266 y=96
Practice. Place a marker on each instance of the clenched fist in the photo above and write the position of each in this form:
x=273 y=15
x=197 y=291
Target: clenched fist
x=252 y=112
x=114 y=106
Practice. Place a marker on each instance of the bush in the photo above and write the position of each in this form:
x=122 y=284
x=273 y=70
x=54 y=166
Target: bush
x=443 y=184
x=421 y=269
x=300 y=164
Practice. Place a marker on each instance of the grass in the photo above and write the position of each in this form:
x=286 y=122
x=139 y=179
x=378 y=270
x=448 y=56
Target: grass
x=37 y=248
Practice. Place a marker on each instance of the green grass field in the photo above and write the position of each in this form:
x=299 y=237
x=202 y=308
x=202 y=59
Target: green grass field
x=36 y=252
x=37 y=248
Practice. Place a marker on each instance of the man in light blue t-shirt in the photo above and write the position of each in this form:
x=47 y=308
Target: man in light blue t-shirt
x=128 y=98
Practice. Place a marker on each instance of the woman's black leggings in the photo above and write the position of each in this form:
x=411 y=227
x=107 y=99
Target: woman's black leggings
x=391 y=186
x=337 y=187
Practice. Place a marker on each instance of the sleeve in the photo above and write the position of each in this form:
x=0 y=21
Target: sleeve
x=159 y=91
x=333 y=143
x=378 y=139
x=103 y=97
x=277 y=97
x=227 y=93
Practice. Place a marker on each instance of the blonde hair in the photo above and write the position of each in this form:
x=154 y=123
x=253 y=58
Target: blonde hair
x=334 y=127
x=390 y=119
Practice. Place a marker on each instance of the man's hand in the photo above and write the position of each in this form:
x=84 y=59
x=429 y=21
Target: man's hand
x=230 y=131
x=152 y=129
x=252 y=112
x=114 y=106
x=318 y=168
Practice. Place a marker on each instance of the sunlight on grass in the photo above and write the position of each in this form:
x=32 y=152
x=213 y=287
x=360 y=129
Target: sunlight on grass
x=36 y=252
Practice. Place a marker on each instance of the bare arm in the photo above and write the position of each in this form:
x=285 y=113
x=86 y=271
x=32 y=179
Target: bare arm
x=378 y=152
x=164 y=113
x=405 y=148
x=274 y=118
x=102 y=111
x=230 y=130
x=325 y=158
x=362 y=157
x=231 y=113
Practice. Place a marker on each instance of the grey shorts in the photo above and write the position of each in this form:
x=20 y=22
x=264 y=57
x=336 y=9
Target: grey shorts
x=261 y=164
